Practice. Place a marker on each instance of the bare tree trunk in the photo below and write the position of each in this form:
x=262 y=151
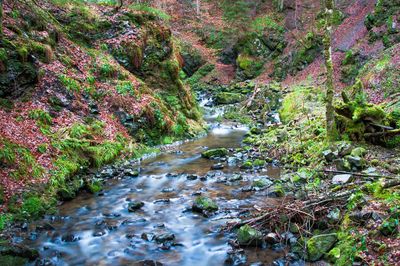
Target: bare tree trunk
x=1 y=17
x=198 y=7
x=330 y=118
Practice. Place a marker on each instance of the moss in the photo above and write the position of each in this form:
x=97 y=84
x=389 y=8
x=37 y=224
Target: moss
x=33 y=207
x=228 y=98
x=345 y=250
x=205 y=204
x=320 y=245
x=94 y=186
x=247 y=165
x=249 y=66
x=259 y=163
x=8 y=260
x=200 y=73
x=247 y=235
x=214 y=153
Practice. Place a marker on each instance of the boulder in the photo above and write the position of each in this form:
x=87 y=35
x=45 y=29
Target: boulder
x=135 y=205
x=228 y=98
x=341 y=179
x=214 y=153
x=202 y=204
x=248 y=236
x=319 y=245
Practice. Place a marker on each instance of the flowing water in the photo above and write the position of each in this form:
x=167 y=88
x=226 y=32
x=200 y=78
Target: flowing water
x=99 y=230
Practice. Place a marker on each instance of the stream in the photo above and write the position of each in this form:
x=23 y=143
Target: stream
x=99 y=229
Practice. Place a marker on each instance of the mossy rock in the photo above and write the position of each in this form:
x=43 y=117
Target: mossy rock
x=228 y=98
x=12 y=261
x=247 y=165
x=259 y=163
x=359 y=152
x=219 y=152
x=248 y=236
x=202 y=204
x=319 y=245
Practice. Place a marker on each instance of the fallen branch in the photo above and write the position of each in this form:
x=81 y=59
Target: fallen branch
x=383 y=133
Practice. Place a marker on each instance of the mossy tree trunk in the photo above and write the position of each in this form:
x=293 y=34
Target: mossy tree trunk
x=330 y=111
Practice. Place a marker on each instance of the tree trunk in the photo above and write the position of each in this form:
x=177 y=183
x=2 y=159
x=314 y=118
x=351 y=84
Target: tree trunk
x=1 y=17
x=330 y=118
x=198 y=7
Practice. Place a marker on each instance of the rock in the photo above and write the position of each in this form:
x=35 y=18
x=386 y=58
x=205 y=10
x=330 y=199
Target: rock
x=355 y=162
x=272 y=238
x=248 y=236
x=147 y=236
x=319 y=245
x=246 y=165
x=358 y=152
x=167 y=190
x=192 y=177
x=228 y=98
x=147 y=263
x=135 y=205
x=131 y=173
x=18 y=250
x=341 y=179
x=202 y=204
x=218 y=166
x=68 y=238
x=334 y=216
x=112 y=225
x=164 y=237
x=162 y=201
x=389 y=227
x=232 y=161
x=342 y=165
x=99 y=232
x=235 y=178
x=261 y=183
x=329 y=155
x=214 y=153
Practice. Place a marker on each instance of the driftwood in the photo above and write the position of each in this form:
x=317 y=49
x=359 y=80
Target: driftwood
x=383 y=133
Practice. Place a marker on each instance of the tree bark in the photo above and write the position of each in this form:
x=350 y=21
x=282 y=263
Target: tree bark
x=330 y=118
x=198 y=7
x=1 y=17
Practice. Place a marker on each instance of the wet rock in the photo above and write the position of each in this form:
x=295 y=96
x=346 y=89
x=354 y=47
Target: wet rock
x=214 y=153
x=135 y=205
x=112 y=225
x=147 y=263
x=272 y=238
x=147 y=236
x=218 y=166
x=164 y=237
x=45 y=227
x=172 y=175
x=262 y=183
x=246 y=165
x=162 y=201
x=18 y=250
x=129 y=173
x=192 y=177
x=232 y=161
x=99 y=232
x=318 y=245
x=342 y=165
x=248 y=236
x=69 y=238
x=167 y=190
x=130 y=235
x=202 y=204
x=236 y=257
x=341 y=179
x=289 y=238
x=235 y=178
x=228 y=98
x=112 y=214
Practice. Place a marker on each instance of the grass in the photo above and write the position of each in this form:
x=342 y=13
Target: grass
x=151 y=10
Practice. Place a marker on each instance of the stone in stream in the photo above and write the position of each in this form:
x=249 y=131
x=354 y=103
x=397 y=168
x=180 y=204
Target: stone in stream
x=319 y=245
x=99 y=232
x=135 y=205
x=147 y=263
x=202 y=204
x=248 y=236
x=341 y=179
x=131 y=173
x=167 y=190
x=272 y=238
x=212 y=153
x=192 y=177
x=68 y=238
x=218 y=166
x=164 y=237
x=235 y=177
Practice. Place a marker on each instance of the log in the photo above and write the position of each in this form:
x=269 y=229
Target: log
x=383 y=133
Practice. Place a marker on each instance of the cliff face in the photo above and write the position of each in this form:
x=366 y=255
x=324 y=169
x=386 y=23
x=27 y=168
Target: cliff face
x=81 y=85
